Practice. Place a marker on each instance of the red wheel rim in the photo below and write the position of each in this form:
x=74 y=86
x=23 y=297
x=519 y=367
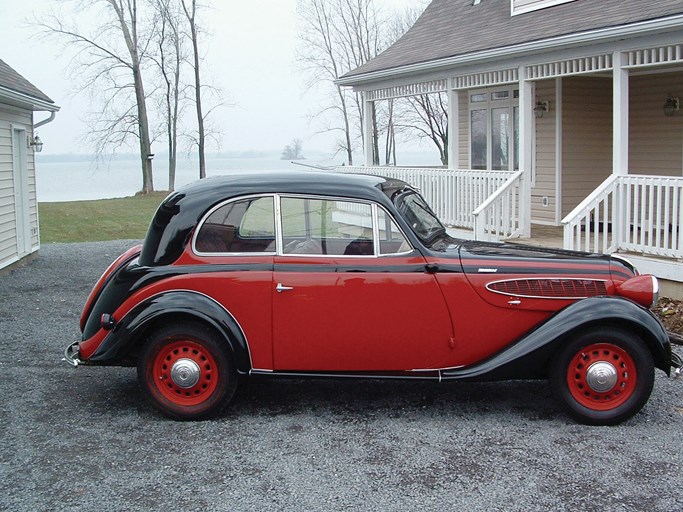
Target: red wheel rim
x=177 y=354
x=609 y=390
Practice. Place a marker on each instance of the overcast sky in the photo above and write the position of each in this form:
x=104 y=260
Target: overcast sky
x=250 y=55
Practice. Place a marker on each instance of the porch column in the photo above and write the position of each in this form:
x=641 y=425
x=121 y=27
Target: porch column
x=453 y=131
x=367 y=129
x=619 y=115
x=526 y=113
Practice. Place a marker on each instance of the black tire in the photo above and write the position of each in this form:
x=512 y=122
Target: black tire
x=187 y=372
x=618 y=384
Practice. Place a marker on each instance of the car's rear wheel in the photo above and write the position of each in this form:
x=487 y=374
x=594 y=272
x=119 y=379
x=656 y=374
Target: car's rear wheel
x=187 y=372
x=603 y=376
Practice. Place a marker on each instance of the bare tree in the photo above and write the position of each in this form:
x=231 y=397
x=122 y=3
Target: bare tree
x=337 y=36
x=109 y=60
x=427 y=116
x=169 y=57
x=191 y=15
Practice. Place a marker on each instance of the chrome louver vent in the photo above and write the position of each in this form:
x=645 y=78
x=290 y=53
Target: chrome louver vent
x=550 y=288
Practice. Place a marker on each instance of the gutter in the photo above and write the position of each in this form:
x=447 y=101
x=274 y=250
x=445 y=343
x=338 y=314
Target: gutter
x=35 y=103
x=577 y=39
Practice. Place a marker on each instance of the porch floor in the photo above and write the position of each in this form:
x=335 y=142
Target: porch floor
x=543 y=236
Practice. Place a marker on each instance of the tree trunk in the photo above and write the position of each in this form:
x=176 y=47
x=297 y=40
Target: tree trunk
x=197 y=87
x=131 y=38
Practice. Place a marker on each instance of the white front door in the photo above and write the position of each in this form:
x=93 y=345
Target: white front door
x=21 y=196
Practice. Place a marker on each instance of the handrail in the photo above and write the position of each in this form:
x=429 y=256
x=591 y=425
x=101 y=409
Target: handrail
x=499 y=216
x=634 y=213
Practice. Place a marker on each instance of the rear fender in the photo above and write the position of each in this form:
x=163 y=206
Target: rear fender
x=128 y=333
x=530 y=355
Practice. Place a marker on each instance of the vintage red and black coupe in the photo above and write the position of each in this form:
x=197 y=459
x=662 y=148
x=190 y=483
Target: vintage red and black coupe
x=321 y=274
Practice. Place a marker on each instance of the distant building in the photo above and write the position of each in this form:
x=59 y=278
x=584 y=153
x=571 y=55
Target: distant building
x=19 y=230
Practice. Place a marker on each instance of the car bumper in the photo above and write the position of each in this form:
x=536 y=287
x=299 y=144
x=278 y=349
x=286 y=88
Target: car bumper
x=71 y=354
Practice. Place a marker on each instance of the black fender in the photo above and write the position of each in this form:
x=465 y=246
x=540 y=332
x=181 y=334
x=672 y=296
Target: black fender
x=126 y=334
x=529 y=356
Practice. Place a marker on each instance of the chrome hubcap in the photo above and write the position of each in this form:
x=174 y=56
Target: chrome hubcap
x=601 y=376
x=185 y=373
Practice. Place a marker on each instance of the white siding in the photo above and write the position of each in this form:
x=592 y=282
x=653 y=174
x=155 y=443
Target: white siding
x=8 y=226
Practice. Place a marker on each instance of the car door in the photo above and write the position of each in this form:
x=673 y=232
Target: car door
x=351 y=294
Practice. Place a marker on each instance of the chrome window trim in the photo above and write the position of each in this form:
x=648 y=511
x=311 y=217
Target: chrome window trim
x=375 y=228
x=279 y=243
x=201 y=223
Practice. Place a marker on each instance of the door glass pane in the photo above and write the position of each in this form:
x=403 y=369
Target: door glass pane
x=244 y=226
x=500 y=137
x=391 y=240
x=319 y=226
x=478 y=135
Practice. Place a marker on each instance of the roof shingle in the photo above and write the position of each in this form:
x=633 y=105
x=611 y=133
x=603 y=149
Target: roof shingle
x=451 y=28
x=10 y=79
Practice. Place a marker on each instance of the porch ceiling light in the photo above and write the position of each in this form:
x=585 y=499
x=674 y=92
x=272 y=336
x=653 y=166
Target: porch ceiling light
x=36 y=144
x=671 y=106
x=541 y=108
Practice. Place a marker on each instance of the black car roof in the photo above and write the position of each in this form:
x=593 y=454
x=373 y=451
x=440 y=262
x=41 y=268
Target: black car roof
x=309 y=182
x=179 y=213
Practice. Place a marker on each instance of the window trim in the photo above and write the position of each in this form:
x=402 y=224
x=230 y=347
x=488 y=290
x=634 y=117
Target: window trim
x=515 y=10
x=489 y=105
x=216 y=207
x=279 y=243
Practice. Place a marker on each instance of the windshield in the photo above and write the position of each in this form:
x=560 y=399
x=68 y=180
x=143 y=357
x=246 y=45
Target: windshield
x=415 y=210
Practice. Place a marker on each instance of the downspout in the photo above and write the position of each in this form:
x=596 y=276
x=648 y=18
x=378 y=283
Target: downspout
x=45 y=121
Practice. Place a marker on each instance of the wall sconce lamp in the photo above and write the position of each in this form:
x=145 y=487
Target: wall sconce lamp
x=35 y=143
x=671 y=106
x=541 y=108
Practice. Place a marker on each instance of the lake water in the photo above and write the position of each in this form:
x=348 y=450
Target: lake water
x=59 y=179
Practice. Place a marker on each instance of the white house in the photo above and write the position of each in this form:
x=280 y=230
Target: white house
x=19 y=99
x=561 y=113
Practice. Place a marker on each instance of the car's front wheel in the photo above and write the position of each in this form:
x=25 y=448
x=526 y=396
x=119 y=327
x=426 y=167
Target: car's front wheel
x=603 y=376
x=186 y=371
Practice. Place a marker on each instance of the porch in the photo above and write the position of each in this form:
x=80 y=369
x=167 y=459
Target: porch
x=636 y=215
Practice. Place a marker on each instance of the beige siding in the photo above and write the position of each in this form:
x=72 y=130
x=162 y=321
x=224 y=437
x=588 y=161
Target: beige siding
x=464 y=130
x=8 y=246
x=586 y=137
x=546 y=134
x=655 y=140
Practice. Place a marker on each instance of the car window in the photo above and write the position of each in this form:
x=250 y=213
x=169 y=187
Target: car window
x=326 y=227
x=243 y=226
x=391 y=240
x=419 y=215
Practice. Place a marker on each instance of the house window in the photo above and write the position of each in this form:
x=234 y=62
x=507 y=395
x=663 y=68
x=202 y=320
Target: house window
x=522 y=6
x=494 y=129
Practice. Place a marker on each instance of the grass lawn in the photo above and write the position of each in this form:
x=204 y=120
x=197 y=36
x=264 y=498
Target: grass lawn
x=93 y=221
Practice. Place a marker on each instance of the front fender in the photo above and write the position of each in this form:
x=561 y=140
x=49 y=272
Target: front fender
x=127 y=334
x=529 y=356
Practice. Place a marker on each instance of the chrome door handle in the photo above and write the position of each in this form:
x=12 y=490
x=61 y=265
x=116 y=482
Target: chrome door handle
x=282 y=288
x=514 y=302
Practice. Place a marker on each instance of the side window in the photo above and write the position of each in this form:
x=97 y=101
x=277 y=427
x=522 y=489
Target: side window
x=326 y=227
x=391 y=240
x=243 y=226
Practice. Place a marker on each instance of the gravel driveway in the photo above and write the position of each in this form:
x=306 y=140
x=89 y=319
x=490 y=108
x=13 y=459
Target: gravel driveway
x=83 y=439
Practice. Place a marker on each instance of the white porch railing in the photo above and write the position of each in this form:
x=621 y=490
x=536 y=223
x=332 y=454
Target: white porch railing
x=500 y=216
x=453 y=194
x=633 y=213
